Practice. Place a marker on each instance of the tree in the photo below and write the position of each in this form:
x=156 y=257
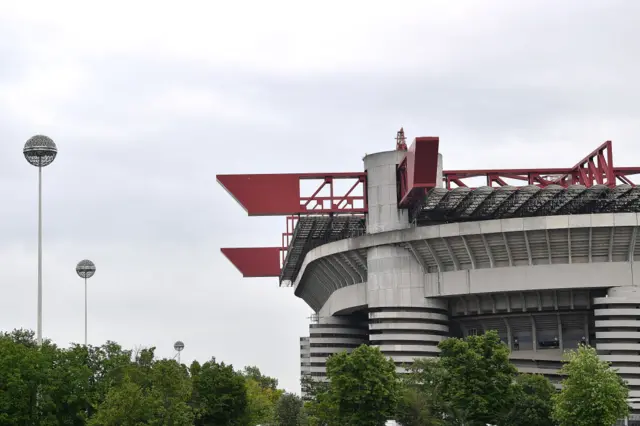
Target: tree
x=154 y=392
x=312 y=387
x=64 y=395
x=363 y=387
x=260 y=403
x=20 y=375
x=289 y=410
x=533 y=401
x=171 y=386
x=420 y=403
x=592 y=394
x=265 y=382
x=477 y=388
x=221 y=395
x=126 y=405
x=109 y=364
x=103 y=386
x=262 y=396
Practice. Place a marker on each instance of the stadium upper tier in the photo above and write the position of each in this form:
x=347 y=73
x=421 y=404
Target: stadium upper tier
x=416 y=191
x=442 y=205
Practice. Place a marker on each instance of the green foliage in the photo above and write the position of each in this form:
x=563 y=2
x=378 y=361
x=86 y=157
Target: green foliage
x=532 y=401
x=106 y=386
x=420 y=403
x=311 y=387
x=21 y=371
x=221 y=395
x=255 y=374
x=592 y=394
x=363 y=388
x=473 y=383
x=262 y=396
x=126 y=404
x=289 y=411
x=478 y=385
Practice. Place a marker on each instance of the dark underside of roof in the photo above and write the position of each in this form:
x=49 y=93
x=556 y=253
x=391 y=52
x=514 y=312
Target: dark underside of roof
x=462 y=205
x=485 y=203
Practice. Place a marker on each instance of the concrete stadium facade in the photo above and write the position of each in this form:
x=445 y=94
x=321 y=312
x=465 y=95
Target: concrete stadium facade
x=546 y=283
x=548 y=265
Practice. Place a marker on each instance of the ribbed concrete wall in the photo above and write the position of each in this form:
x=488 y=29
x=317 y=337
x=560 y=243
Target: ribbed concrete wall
x=305 y=356
x=405 y=334
x=333 y=335
x=617 y=323
x=403 y=323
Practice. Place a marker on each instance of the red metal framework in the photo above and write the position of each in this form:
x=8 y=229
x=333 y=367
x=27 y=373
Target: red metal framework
x=280 y=194
x=595 y=169
x=287 y=236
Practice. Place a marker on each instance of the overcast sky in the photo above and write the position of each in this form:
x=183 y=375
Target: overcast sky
x=149 y=100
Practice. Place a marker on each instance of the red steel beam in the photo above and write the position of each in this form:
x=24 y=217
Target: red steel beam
x=595 y=169
x=418 y=171
x=280 y=195
x=255 y=262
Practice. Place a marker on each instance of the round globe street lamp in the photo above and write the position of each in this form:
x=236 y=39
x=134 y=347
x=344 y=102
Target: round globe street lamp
x=40 y=151
x=178 y=346
x=85 y=269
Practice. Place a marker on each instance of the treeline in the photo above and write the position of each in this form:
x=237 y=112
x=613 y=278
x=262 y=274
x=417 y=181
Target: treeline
x=110 y=386
x=472 y=383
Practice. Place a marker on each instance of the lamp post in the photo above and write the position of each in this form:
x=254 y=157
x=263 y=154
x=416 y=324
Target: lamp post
x=40 y=151
x=178 y=346
x=85 y=269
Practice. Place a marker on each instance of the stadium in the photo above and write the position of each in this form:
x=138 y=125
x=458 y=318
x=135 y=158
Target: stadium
x=405 y=254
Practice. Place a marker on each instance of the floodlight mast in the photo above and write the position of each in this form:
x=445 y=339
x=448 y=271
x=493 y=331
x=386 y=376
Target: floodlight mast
x=178 y=346
x=40 y=151
x=85 y=269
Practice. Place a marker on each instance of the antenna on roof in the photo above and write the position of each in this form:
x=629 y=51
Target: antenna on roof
x=401 y=140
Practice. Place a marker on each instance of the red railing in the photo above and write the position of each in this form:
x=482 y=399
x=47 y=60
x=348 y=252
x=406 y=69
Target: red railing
x=595 y=169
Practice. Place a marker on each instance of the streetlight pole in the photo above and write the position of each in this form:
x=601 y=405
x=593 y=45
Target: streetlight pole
x=85 y=269
x=40 y=151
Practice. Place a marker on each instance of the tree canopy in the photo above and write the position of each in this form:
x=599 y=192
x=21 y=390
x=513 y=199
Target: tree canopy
x=592 y=393
x=471 y=383
x=362 y=391
x=107 y=385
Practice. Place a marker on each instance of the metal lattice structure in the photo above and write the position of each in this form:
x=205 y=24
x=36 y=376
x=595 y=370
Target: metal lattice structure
x=40 y=151
x=597 y=168
x=486 y=203
x=592 y=185
x=313 y=231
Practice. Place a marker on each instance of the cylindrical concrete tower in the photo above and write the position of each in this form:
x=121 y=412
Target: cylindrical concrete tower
x=403 y=323
x=331 y=335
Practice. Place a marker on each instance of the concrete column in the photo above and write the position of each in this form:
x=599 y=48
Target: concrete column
x=617 y=321
x=403 y=323
x=382 y=195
